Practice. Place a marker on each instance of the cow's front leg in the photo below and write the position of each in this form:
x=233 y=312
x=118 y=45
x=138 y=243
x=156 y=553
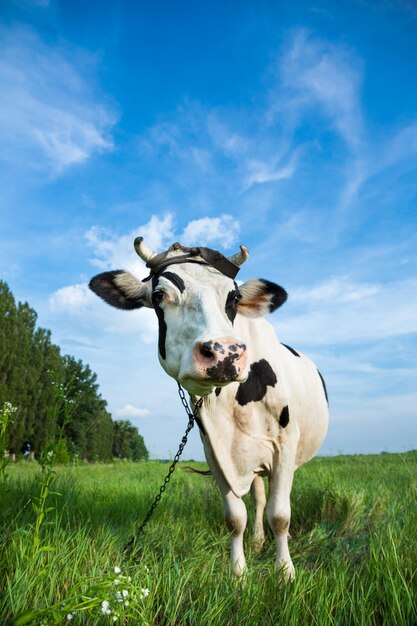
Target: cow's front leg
x=257 y=491
x=278 y=510
x=234 y=512
x=236 y=516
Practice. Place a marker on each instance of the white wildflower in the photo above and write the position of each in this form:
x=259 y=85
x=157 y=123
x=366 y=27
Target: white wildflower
x=126 y=602
x=144 y=593
x=116 y=581
x=125 y=593
x=117 y=570
x=71 y=616
x=105 y=608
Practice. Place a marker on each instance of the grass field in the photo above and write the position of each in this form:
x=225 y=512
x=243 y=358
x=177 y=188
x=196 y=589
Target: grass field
x=354 y=546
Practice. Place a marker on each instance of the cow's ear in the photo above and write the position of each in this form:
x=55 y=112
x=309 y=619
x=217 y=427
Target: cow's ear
x=121 y=289
x=259 y=297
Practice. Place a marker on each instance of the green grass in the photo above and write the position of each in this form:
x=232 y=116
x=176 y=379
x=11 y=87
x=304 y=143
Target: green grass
x=354 y=546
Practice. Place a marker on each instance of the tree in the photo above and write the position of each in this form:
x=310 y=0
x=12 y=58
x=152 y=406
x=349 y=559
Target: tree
x=90 y=430
x=127 y=442
x=35 y=378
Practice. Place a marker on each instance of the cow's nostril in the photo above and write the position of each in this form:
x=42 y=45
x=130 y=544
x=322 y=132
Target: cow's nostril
x=206 y=350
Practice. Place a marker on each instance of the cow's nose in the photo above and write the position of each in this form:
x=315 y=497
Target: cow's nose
x=221 y=359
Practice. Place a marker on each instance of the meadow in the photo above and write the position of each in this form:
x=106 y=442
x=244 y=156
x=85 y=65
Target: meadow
x=354 y=546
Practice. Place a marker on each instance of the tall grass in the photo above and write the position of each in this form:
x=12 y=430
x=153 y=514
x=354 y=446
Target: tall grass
x=354 y=546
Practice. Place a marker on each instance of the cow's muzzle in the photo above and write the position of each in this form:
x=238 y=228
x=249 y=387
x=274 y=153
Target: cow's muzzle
x=220 y=360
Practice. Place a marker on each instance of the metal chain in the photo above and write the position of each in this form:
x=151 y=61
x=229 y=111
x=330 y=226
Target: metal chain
x=192 y=415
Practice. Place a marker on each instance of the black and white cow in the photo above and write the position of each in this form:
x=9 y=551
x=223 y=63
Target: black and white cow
x=265 y=409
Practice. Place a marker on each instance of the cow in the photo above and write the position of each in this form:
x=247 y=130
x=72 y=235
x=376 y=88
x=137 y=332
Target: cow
x=264 y=409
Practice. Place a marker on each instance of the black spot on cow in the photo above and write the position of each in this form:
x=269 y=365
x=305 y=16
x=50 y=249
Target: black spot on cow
x=284 y=418
x=232 y=299
x=224 y=371
x=324 y=386
x=175 y=279
x=217 y=391
x=161 y=321
x=277 y=295
x=294 y=352
x=218 y=347
x=261 y=376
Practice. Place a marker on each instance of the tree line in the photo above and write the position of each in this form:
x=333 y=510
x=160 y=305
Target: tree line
x=56 y=396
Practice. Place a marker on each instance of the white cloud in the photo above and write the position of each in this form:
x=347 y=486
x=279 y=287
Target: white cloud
x=50 y=116
x=221 y=230
x=79 y=302
x=116 y=252
x=111 y=252
x=131 y=411
x=71 y=299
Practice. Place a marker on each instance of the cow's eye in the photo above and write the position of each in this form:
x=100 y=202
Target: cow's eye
x=237 y=297
x=158 y=296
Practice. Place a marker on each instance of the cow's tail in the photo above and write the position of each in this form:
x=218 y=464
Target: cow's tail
x=192 y=470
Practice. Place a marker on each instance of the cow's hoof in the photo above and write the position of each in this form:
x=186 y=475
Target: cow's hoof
x=286 y=572
x=239 y=569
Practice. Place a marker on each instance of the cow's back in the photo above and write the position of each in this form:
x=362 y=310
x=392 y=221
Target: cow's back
x=307 y=401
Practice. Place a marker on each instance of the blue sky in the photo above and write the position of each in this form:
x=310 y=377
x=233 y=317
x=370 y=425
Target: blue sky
x=289 y=127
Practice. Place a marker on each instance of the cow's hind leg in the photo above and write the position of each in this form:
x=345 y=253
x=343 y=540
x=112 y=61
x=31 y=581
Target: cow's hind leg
x=279 y=511
x=259 y=499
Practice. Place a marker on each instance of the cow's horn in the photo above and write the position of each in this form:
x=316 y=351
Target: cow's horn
x=240 y=257
x=142 y=250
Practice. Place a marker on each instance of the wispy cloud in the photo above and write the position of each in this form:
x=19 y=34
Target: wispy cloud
x=324 y=75
x=260 y=172
x=200 y=144
x=323 y=79
x=51 y=118
x=228 y=140
x=336 y=290
x=400 y=146
x=131 y=411
x=341 y=312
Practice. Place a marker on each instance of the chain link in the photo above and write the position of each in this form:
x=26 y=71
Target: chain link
x=192 y=415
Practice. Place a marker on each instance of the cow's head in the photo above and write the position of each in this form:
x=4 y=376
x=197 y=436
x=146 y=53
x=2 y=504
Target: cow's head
x=196 y=300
